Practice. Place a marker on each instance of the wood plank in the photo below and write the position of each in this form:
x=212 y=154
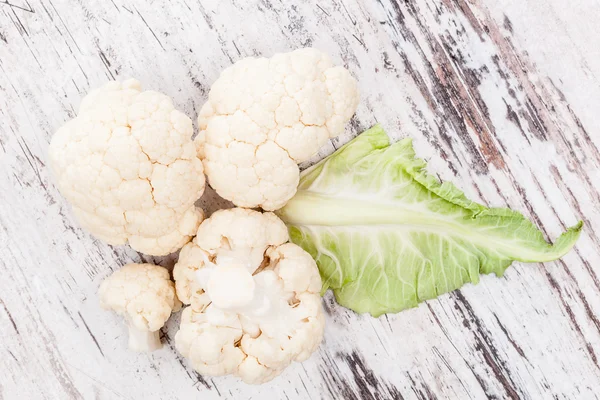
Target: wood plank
x=501 y=98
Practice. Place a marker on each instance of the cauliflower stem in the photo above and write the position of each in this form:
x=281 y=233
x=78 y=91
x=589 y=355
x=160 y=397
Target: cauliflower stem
x=141 y=340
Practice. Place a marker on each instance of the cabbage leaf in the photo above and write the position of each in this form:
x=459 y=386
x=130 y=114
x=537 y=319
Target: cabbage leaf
x=386 y=235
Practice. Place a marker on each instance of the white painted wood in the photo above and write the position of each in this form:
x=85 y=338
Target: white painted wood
x=501 y=97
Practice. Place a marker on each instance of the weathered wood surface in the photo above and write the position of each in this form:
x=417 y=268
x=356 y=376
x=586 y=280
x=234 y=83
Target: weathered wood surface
x=501 y=96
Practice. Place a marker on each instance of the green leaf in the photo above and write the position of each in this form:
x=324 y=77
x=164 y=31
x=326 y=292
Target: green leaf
x=386 y=235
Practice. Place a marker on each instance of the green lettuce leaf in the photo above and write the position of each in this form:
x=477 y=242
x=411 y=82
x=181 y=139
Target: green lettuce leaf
x=386 y=235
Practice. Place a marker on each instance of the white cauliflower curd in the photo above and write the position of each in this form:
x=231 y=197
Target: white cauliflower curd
x=129 y=168
x=145 y=296
x=254 y=299
x=265 y=115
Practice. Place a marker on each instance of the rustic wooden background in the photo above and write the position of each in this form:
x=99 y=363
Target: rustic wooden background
x=502 y=97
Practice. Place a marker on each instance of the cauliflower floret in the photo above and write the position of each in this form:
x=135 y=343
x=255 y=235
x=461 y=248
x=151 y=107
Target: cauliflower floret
x=255 y=303
x=145 y=295
x=263 y=116
x=129 y=168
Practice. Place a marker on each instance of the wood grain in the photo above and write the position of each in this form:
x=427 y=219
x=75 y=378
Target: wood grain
x=501 y=97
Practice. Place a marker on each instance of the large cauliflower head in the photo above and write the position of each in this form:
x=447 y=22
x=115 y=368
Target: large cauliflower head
x=265 y=115
x=129 y=168
x=254 y=299
x=145 y=296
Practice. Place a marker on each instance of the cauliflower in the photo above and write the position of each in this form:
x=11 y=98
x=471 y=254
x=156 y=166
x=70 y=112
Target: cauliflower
x=145 y=295
x=254 y=299
x=128 y=166
x=263 y=116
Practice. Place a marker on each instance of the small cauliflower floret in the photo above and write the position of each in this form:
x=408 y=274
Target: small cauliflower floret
x=145 y=296
x=266 y=115
x=254 y=299
x=129 y=168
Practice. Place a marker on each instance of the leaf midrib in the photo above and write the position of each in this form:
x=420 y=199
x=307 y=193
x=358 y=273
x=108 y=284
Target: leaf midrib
x=331 y=210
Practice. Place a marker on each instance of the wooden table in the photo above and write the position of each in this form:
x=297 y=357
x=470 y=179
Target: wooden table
x=502 y=98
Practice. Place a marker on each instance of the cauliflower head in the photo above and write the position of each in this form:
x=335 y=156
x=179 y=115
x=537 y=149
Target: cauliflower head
x=145 y=296
x=129 y=168
x=266 y=115
x=254 y=298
